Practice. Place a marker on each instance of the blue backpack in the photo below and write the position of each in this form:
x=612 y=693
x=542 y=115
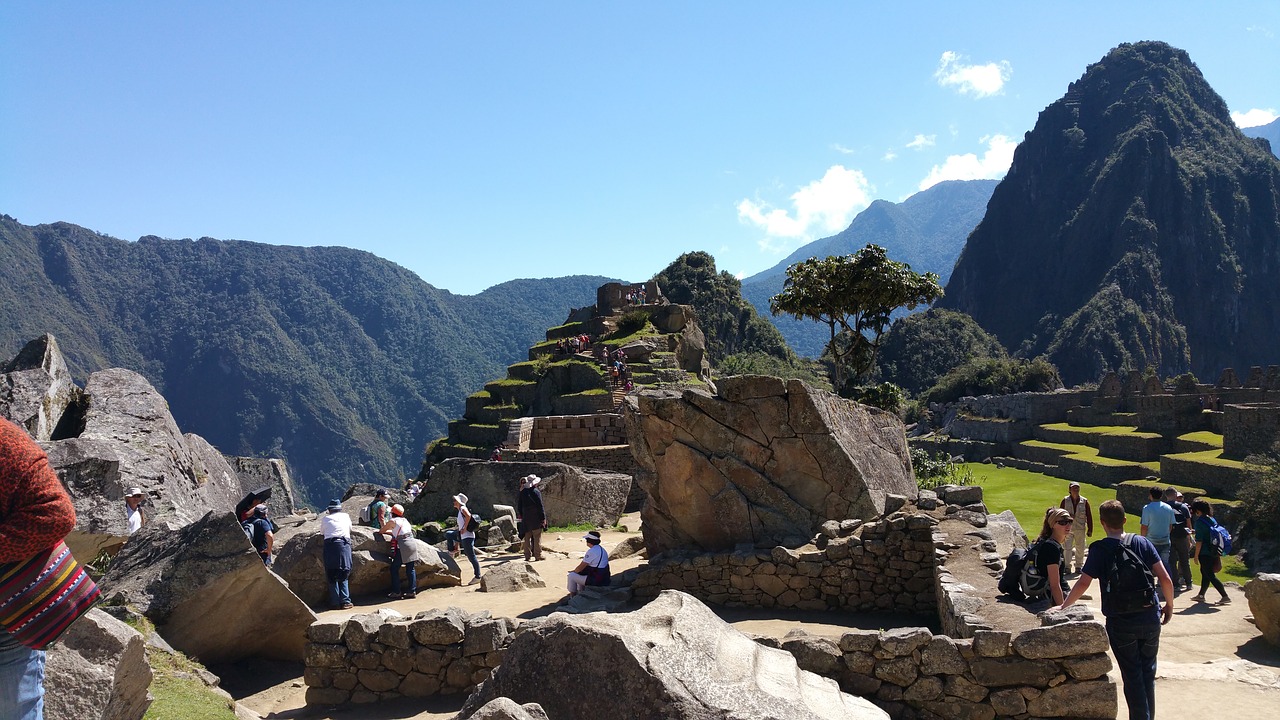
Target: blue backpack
x=1219 y=538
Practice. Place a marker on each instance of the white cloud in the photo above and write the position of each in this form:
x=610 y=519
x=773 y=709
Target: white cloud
x=841 y=149
x=923 y=141
x=826 y=205
x=1254 y=117
x=977 y=80
x=890 y=156
x=993 y=163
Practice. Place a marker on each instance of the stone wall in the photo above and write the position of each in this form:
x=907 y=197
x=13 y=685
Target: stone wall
x=994 y=430
x=383 y=655
x=970 y=450
x=1034 y=407
x=1057 y=670
x=615 y=459
x=575 y=431
x=1248 y=429
x=1135 y=494
x=1170 y=414
x=884 y=566
x=1219 y=480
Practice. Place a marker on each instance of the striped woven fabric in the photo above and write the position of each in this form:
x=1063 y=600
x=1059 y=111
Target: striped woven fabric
x=41 y=596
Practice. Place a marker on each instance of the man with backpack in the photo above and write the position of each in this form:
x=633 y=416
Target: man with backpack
x=1129 y=568
x=376 y=514
x=1180 y=536
x=259 y=531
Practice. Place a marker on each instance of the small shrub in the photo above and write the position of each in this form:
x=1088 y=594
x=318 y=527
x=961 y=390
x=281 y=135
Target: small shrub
x=632 y=322
x=886 y=396
x=933 y=471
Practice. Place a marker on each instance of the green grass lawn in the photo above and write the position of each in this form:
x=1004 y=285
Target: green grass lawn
x=1097 y=429
x=1029 y=494
x=1210 y=457
x=1204 y=436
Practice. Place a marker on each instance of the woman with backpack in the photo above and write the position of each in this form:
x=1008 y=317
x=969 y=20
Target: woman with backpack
x=1205 y=553
x=464 y=535
x=400 y=531
x=1049 y=553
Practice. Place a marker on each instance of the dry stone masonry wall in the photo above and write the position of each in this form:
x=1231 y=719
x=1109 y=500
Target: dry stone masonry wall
x=887 y=565
x=383 y=655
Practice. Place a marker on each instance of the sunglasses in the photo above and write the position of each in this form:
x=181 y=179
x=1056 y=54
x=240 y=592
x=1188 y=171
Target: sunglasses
x=1065 y=522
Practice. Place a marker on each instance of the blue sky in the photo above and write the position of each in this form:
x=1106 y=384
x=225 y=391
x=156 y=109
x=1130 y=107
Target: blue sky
x=475 y=143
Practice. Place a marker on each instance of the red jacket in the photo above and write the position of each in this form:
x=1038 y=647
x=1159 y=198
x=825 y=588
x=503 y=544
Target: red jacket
x=35 y=510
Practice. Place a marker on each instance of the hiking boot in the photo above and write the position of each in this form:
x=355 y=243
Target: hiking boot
x=347 y=606
x=1225 y=600
x=1197 y=598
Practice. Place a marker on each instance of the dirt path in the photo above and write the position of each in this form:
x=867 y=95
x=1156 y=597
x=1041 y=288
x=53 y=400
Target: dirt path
x=1211 y=658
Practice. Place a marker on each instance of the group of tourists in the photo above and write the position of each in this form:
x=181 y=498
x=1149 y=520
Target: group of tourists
x=1138 y=573
x=573 y=345
x=638 y=296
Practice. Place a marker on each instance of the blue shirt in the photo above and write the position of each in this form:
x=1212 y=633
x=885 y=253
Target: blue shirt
x=1096 y=565
x=1159 y=518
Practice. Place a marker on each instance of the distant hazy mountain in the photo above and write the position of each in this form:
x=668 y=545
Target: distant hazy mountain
x=344 y=363
x=927 y=231
x=1270 y=131
x=1137 y=226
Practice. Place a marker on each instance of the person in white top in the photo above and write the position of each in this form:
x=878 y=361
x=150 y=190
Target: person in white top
x=400 y=530
x=133 y=508
x=464 y=537
x=594 y=568
x=335 y=525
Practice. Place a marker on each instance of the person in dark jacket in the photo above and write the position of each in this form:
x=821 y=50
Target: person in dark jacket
x=531 y=513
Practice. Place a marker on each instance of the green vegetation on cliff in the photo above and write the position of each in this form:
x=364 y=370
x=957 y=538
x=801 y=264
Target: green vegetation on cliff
x=919 y=349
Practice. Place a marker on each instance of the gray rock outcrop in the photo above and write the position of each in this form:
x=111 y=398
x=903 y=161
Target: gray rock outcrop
x=671 y=659
x=508 y=709
x=208 y=592
x=97 y=671
x=511 y=576
x=257 y=473
x=1263 y=592
x=570 y=494
x=766 y=460
x=128 y=438
x=300 y=563
x=36 y=387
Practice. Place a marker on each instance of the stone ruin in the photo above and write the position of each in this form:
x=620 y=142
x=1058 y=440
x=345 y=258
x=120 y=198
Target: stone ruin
x=764 y=462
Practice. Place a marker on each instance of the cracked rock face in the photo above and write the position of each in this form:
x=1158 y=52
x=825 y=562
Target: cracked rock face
x=766 y=462
x=673 y=658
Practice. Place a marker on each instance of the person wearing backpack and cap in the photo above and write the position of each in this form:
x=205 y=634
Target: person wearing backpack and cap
x=133 y=509
x=594 y=568
x=1130 y=570
x=335 y=526
x=1206 y=554
x=463 y=536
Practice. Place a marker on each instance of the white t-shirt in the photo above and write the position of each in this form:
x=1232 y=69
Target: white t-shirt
x=402 y=528
x=596 y=557
x=134 y=516
x=336 y=525
x=462 y=524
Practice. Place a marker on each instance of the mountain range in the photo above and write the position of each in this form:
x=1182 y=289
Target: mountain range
x=1269 y=132
x=926 y=231
x=1137 y=227
x=343 y=363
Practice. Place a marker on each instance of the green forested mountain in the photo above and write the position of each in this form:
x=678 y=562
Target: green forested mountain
x=926 y=231
x=344 y=363
x=1137 y=226
x=1269 y=132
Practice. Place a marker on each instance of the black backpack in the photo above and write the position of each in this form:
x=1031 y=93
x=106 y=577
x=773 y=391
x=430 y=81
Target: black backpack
x=474 y=523
x=1016 y=566
x=1129 y=584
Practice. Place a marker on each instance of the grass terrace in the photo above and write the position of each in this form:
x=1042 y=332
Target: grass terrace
x=1204 y=436
x=1029 y=494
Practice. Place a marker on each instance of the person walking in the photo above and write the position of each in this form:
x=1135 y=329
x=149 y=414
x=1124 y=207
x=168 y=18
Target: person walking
x=1081 y=514
x=532 y=514
x=1133 y=623
x=1157 y=524
x=400 y=531
x=1205 y=554
x=335 y=526
x=1180 y=540
x=35 y=514
x=463 y=536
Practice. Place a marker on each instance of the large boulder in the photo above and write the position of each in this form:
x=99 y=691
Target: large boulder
x=674 y=658
x=1263 y=592
x=208 y=592
x=570 y=494
x=36 y=387
x=258 y=473
x=127 y=437
x=219 y=483
x=507 y=709
x=512 y=576
x=97 y=670
x=766 y=461
x=301 y=563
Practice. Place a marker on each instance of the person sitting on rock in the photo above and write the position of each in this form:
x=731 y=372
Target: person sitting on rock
x=594 y=568
x=400 y=530
x=335 y=525
x=260 y=533
x=133 y=509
